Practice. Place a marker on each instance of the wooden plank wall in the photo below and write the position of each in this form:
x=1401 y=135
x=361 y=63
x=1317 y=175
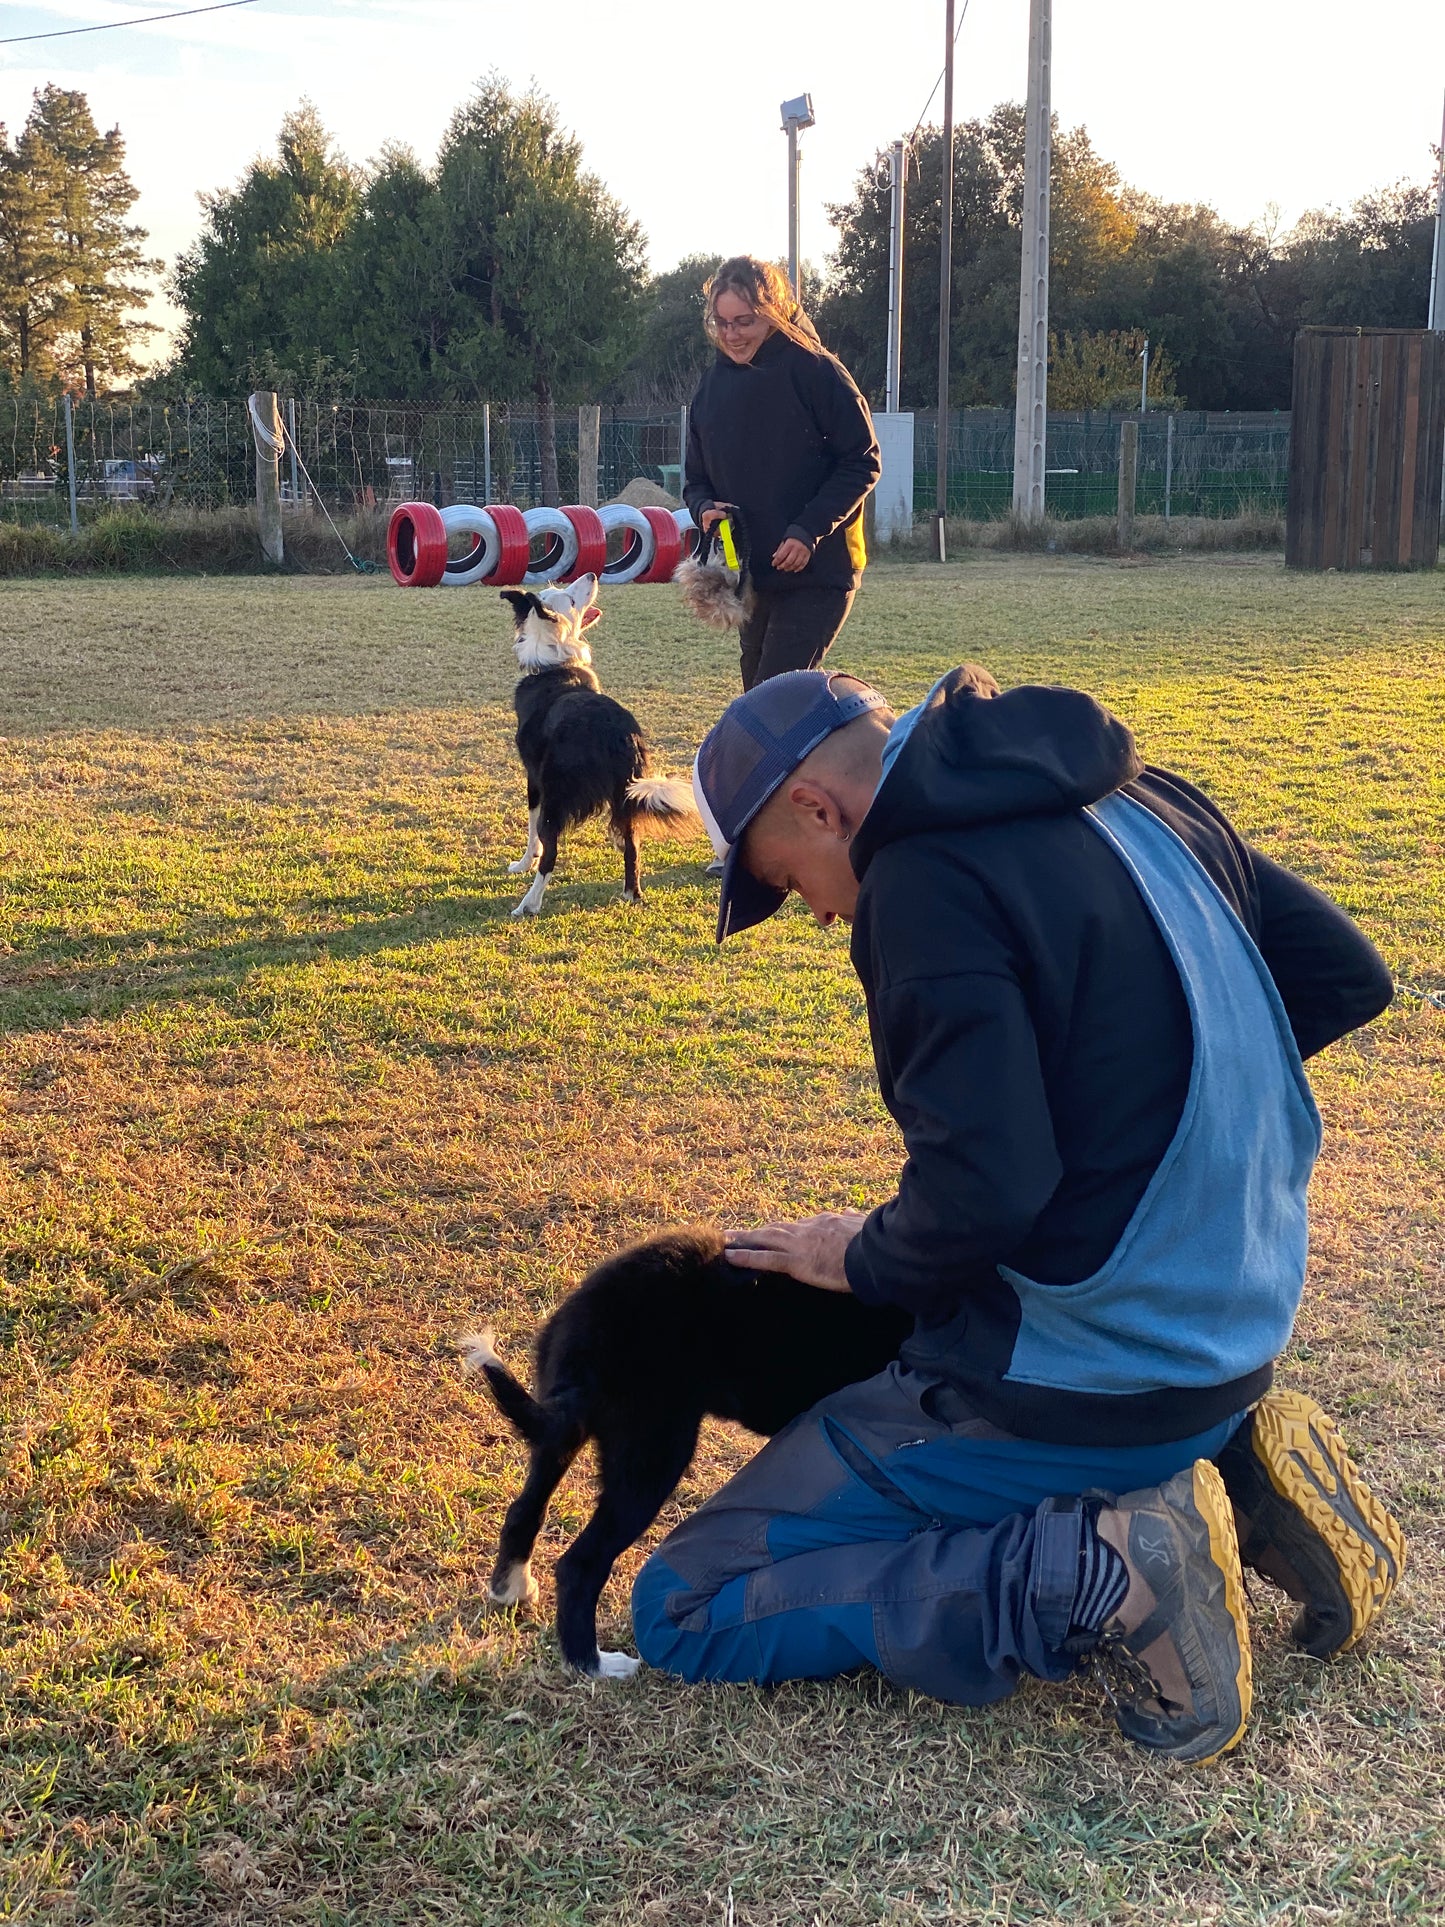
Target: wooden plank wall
x=1367 y=446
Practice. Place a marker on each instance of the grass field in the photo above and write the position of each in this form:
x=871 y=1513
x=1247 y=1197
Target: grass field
x=286 y=1098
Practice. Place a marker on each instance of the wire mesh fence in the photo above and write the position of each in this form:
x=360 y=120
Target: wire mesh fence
x=198 y=453
x=1189 y=464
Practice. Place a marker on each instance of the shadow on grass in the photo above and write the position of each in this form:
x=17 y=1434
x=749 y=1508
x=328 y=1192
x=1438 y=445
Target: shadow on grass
x=55 y=982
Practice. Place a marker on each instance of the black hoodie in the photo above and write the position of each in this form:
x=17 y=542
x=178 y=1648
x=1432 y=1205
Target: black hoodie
x=1031 y=1034
x=788 y=439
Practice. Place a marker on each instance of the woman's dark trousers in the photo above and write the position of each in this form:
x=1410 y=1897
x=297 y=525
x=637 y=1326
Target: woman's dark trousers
x=790 y=629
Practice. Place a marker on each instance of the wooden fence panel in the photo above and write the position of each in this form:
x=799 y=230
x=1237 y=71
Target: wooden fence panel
x=1367 y=446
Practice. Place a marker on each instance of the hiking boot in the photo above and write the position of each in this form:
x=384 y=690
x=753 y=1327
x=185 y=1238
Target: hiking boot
x=1174 y=1659
x=1309 y=1523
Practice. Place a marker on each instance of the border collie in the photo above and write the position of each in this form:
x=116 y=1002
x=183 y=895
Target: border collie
x=647 y=1345
x=582 y=751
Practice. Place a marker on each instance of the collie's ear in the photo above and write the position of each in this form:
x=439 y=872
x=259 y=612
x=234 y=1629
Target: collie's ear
x=523 y=602
x=584 y=591
x=589 y=616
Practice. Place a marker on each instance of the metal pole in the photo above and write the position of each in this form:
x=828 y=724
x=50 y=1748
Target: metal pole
x=1168 y=463
x=1436 y=318
x=291 y=444
x=486 y=453
x=1144 y=380
x=682 y=448
x=894 y=381
x=1032 y=403
x=70 y=463
x=794 y=235
x=945 y=286
x=1128 y=482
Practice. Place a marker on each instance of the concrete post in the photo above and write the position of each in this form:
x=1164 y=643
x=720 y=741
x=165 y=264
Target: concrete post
x=269 y=439
x=1032 y=401
x=589 y=434
x=1128 y=482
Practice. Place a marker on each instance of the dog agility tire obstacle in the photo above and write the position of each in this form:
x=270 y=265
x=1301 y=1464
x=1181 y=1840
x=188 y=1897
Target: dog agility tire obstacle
x=574 y=542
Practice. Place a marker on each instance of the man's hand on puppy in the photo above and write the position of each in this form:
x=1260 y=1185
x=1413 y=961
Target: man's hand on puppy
x=808 y=1249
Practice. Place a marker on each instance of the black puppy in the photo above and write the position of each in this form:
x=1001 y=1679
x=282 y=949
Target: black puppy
x=582 y=751
x=646 y=1346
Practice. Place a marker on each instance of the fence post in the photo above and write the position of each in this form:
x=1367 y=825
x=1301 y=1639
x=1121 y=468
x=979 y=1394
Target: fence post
x=1168 y=463
x=291 y=448
x=268 y=436
x=1128 y=481
x=486 y=452
x=589 y=433
x=681 y=450
x=70 y=462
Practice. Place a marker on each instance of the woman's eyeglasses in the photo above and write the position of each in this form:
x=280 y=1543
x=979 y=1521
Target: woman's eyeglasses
x=739 y=324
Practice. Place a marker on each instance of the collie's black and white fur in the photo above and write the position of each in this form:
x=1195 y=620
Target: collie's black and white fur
x=647 y=1345
x=582 y=751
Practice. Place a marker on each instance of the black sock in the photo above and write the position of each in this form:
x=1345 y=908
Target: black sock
x=1103 y=1581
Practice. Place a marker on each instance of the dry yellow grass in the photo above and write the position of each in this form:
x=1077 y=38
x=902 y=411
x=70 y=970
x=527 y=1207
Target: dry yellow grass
x=286 y=1097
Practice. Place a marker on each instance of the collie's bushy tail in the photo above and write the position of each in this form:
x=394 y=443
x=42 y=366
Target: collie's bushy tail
x=660 y=801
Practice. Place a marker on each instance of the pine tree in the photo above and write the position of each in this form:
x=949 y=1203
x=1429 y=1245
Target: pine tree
x=102 y=252
x=32 y=264
x=69 y=261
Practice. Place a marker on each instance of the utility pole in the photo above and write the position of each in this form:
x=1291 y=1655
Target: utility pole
x=894 y=379
x=1144 y=379
x=945 y=286
x=1436 y=317
x=1032 y=403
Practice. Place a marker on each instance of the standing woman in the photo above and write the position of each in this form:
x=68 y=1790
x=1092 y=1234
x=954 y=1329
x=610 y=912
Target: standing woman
x=778 y=430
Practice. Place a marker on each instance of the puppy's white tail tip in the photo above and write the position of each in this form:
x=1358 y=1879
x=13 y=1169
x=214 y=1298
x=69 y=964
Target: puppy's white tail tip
x=662 y=796
x=476 y=1350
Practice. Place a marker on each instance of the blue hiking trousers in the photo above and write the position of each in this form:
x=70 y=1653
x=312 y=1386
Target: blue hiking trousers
x=889 y=1527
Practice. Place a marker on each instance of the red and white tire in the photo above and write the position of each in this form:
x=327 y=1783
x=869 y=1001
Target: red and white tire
x=559 y=553
x=516 y=543
x=639 y=544
x=416 y=545
x=464 y=518
x=668 y=553
x=688 y=530
x=591 y=541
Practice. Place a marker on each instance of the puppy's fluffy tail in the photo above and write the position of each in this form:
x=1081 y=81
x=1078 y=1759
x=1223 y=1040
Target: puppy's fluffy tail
x=514 y=1401
x=659 y=802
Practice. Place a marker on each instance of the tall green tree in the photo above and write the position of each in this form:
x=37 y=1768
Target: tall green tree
x=672 y=350
x=102 y=253
x=546 y=267
x=32 y=262
x=258 y=287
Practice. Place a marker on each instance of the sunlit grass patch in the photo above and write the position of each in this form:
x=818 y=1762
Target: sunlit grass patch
x=287 y=1098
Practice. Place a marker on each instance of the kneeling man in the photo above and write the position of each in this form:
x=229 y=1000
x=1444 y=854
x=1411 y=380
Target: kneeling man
x=1089 y=1000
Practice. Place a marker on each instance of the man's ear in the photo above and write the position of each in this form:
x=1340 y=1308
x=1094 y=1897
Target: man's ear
x=816 y=808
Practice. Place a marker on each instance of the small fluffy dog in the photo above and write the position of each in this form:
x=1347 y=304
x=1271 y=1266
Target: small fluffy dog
x=712 y=590
x=647 y=1345
x=582 y=751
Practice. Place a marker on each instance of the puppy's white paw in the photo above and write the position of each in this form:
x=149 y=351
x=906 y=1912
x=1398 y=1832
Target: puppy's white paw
x=526 y=908
x=517 y=1588
x=617 y=1666
x=632 y=896
x=523 y=866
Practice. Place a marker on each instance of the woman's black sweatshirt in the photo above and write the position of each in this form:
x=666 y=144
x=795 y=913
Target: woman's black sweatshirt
x=788 y=439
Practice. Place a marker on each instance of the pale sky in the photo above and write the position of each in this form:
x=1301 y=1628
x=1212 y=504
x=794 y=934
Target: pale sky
x=1240 y=103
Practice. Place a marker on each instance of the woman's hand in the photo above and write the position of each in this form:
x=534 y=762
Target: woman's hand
x=711 y=517
x=791 y=555
x=808 y=1249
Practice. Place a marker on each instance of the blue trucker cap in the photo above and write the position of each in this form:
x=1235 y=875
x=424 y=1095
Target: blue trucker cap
x=750 y=752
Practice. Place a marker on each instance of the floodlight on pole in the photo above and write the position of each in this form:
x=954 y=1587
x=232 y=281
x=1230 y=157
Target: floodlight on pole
x=797 y=114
